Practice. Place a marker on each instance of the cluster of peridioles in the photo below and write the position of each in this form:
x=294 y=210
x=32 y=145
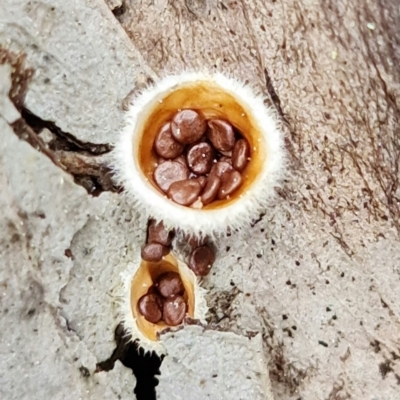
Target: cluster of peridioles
x=213 y=97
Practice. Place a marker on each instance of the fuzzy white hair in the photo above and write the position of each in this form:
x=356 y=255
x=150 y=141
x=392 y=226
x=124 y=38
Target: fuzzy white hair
x=197 y=221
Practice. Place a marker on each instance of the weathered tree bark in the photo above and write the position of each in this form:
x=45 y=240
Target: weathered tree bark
x=317 y=275
x=327 y=282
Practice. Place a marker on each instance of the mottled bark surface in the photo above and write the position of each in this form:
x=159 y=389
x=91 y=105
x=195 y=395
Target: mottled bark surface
x=326 y=282
x=317 y=274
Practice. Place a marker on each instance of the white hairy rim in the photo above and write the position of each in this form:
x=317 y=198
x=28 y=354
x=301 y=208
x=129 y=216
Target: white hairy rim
x=190 y=220
x=128 y=318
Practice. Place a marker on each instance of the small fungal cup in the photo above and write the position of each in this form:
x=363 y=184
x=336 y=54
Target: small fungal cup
x=139 y=280
x=215 y=97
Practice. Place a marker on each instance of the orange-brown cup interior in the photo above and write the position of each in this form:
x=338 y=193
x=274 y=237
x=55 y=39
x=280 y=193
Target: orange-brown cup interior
x=144 y=278
x=213 y=102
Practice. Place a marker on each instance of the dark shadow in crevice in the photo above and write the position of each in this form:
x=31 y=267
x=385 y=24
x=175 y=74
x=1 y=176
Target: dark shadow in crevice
x=86 y=162
x=65 y=140
x=119 y=11
x=144 y=366
x=273 y=95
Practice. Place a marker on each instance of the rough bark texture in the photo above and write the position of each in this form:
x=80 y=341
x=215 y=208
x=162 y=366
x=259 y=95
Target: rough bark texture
x=202 y=364
x=326 y=284
x=318 y=274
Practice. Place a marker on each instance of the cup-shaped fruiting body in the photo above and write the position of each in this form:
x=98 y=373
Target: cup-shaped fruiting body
x=214 y=96
x=140 y=279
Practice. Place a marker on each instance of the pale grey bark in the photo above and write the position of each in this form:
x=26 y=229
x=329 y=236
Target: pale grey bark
x=317 y=276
